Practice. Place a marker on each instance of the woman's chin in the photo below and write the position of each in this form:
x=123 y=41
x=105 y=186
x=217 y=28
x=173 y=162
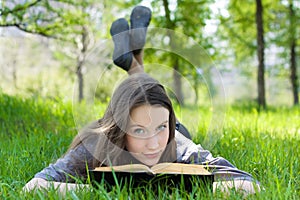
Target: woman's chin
x=150 y=162
x=148 y=159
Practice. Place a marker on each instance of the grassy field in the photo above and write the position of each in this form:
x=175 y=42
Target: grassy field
x=35 y=132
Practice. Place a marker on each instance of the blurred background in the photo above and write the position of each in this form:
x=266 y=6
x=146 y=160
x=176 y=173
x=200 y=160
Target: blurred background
x=245 y=51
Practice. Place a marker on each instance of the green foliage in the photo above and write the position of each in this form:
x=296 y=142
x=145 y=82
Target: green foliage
x=185 y=33
x=182 y=19
x=239 y=28
x=36 y=132
x=284 y=24
x=56 y=19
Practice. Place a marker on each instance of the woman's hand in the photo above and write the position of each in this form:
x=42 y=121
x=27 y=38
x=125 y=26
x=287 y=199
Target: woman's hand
x=244 y=186
x=39 y=183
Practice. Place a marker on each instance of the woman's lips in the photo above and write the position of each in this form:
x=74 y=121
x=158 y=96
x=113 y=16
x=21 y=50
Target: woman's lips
x=151 y=155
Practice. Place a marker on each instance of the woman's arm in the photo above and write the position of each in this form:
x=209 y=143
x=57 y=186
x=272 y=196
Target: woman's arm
x=245 y=187
x=226 y=175
x=39 y=183
x=73 y=166
x=60 y=175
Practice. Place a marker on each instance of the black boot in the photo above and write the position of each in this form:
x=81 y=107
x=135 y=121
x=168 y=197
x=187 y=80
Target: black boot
x=122 y=55
x=139 y=22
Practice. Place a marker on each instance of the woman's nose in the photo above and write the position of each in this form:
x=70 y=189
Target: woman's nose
x=153 y=142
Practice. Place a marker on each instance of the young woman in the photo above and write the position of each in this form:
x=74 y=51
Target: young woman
x=138 y=126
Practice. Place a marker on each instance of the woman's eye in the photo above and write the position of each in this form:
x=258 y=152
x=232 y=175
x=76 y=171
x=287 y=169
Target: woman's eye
x=139 y=131
x=161 y=127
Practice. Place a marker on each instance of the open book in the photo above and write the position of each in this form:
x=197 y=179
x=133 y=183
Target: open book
x=168 y=174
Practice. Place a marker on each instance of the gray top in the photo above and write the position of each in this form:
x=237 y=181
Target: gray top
x=78 y=161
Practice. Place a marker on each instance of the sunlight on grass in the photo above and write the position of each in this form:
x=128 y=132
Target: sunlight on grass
x=36 y=132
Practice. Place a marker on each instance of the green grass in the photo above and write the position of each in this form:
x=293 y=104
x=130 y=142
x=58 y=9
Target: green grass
x=35 y=132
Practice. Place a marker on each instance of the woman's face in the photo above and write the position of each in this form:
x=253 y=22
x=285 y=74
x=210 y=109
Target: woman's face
x=148 y=133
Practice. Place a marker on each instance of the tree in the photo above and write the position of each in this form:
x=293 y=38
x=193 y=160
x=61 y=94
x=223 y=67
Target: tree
x=260 y=55
x=244 y=30
x=285 y=32
x=175 y=63
x=81 y=59
x=49 y=18
x=292 y=43
x=279 y=30
x=188 y=21
x=61 y=20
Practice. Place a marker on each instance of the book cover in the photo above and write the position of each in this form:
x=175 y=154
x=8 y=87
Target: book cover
x=165 y=175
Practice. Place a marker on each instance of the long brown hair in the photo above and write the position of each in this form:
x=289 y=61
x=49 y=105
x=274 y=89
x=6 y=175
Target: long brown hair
x=105 y=139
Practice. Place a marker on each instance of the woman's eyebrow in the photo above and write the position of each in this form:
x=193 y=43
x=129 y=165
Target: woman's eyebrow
x=164 y=122
x=133 y=125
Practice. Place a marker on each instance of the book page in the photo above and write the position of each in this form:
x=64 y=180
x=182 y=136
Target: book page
x=180 y=168
x=126 y=168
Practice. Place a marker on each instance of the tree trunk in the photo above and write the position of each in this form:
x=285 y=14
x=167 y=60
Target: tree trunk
x=196 y=93
x=80 y=81
x=81 y=60
x=294 y=77
x=176 y=73
x=14 y=72
x=260 y=55
x=293 y=65
x=177 y=82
